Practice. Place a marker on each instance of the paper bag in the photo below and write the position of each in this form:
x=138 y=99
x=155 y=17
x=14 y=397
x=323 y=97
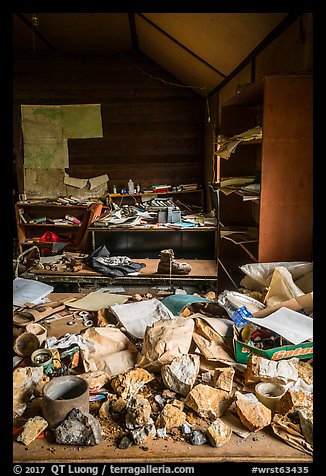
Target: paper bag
x=165 y=340
x=290 y=433
x=109 y=351
x=211 y=344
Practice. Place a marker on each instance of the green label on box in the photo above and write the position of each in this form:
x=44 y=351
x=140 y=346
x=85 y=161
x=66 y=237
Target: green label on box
x=301 y=351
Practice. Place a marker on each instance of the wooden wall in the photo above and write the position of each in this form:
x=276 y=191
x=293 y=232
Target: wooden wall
x=153 y=131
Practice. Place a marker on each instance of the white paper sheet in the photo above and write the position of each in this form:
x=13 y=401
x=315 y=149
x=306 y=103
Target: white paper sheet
x=292 y=325
x=28 y=290
x=75 y=182
x=136 y=316
x=96 y=181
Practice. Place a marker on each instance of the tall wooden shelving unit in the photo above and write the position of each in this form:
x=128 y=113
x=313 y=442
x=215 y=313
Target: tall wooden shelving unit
x=282 y=105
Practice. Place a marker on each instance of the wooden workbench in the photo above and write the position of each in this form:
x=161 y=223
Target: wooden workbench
x=263 y=446
x=202 y=271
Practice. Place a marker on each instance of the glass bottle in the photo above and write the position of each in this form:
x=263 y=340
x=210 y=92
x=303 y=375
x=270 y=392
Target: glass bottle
x=131 y=187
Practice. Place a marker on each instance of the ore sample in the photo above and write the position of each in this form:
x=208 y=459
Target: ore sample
x=170 y=417
x=129 y=383
x=125 y=442
x=138 y=413
x=32 y=428
x=181 y=373
x=218 y=433
x=144 y=433
x=208 y=402
x=79 y=428
x=197 y=438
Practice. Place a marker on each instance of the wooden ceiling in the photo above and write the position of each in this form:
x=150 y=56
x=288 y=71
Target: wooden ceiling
x=201 y=50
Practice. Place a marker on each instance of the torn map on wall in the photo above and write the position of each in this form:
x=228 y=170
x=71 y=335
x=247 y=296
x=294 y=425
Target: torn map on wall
x=46 y=130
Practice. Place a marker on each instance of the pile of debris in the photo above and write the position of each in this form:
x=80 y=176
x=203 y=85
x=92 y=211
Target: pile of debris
x=68 y=261
x=167 y=368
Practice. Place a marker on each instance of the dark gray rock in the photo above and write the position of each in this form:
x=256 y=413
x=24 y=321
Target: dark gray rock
x=81 y=429
x=125 y=442
x=143 y=434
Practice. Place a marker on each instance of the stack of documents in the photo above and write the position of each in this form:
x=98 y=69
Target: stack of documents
x=229 y=145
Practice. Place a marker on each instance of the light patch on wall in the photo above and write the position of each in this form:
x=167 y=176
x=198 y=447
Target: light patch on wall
x=46 y=130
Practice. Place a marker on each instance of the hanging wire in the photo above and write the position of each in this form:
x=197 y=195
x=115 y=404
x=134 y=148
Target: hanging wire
x=207 y=105
x=112 y=45
x=35 y=24
x=213 y=157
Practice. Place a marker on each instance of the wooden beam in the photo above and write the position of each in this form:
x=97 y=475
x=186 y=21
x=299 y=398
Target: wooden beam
x=133 y=31
x=34 y=30
x=277 y=31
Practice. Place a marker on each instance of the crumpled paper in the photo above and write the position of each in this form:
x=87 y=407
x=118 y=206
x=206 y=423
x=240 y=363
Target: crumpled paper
x=109 y=350
x=290 y=433
x=165 y=340
x=282 y=287
x=211 y=344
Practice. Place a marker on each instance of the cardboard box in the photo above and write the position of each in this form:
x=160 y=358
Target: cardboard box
x=304 y=350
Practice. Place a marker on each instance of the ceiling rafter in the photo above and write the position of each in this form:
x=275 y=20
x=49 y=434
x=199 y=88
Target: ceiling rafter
x=277 y=31
x=133 y=31
x=181 y=45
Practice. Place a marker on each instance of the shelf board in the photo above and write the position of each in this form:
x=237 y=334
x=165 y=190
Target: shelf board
x=153 y=230
x=249 y=253
x=37 y=243
x=250 y=142
x=47 y=225
x=49 y=205
x=246 y=195
x=200 y=268
x=149 y=194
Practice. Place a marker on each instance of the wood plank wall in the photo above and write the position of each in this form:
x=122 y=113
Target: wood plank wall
x=153 y=131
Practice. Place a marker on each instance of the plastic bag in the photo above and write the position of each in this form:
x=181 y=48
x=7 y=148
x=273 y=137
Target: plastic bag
x=262 y=273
